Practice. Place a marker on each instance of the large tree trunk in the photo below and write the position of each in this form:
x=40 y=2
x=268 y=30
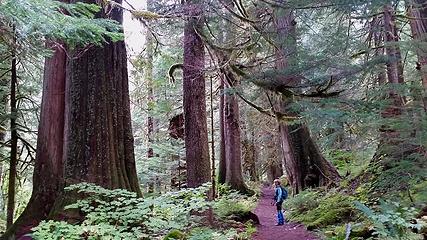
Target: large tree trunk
x=48 y=169
x=417 y=11
x=196 y=133
x=304 y=163
x=98 y=132
x=85 y=136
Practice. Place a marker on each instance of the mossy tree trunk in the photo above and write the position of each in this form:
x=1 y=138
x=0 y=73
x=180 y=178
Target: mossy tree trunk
x=304 y=163
x=195 y=120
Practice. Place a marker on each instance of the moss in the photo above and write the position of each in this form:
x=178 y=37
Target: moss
x=175 y=235
x=319 y=209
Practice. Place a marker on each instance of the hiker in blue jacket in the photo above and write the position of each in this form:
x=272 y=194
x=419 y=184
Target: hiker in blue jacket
x=280 y=194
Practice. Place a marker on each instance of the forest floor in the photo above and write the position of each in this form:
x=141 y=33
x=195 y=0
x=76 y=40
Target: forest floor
x=267 y=230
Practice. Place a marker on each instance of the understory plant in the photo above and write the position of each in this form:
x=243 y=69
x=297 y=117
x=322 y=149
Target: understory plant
x=119 y=214
x=392 y=220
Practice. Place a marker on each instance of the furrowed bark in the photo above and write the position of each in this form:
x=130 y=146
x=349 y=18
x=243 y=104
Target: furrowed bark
x=417 y=11
x=196 y=134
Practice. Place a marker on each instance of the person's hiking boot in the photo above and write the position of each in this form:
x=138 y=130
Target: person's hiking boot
x=279 y=224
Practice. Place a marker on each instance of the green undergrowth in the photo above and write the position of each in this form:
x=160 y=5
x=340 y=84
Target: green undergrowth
x=318 y=209
x=232 y=205
x=119 y=214
x=334 y=214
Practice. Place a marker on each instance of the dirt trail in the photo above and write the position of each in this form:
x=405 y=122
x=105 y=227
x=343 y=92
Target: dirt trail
x=267 y=217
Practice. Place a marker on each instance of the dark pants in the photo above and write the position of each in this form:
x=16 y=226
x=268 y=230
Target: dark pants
x=280 y=217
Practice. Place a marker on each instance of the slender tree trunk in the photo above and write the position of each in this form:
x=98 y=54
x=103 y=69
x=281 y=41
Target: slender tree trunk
x=250 y=154
x=149 y=50
x=196 y=134
x=13 y=144
x=417 y=11
x=222 y=169
x=389 y=137
x=213 y=177
x=233 y=153
x=304 y=163
x=394 y=64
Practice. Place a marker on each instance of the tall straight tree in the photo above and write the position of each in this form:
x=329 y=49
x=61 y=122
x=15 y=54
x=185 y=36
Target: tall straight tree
x=195 y=121
x=304 y=163
x=85 y=131
x=231 y=118
x=48 y=169
x=222 y=168
x=148 y=76
x=13 y=141
x=417 y=11
x=394 y=75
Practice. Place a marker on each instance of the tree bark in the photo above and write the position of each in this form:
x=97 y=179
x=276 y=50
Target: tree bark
x=394 y=63
x=222 y=169
x=85 y=135
x=98 y=132
x=390 y=137
x=196 y=134
x=304 y=163
x=233 y=153
x=231 y=111
x=48 y=164
x=13 y=143
x=148 y=75
x=417 y=11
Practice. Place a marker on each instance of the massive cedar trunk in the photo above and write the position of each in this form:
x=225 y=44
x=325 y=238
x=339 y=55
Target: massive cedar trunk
x=417 y=11
x=196 y=133
x=84 y=136
x=304 y=163
x=48 y=169
x=98 y=133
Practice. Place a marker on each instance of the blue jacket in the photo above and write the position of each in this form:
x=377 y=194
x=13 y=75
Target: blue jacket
x=278 y=194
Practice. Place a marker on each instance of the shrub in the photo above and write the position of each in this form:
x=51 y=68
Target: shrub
x=318 y=209
x=118 y=213
x=392 y=220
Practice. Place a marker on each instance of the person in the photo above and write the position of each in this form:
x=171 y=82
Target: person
x=279 y=196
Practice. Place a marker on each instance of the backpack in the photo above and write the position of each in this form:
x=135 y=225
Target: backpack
x=284 y=193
